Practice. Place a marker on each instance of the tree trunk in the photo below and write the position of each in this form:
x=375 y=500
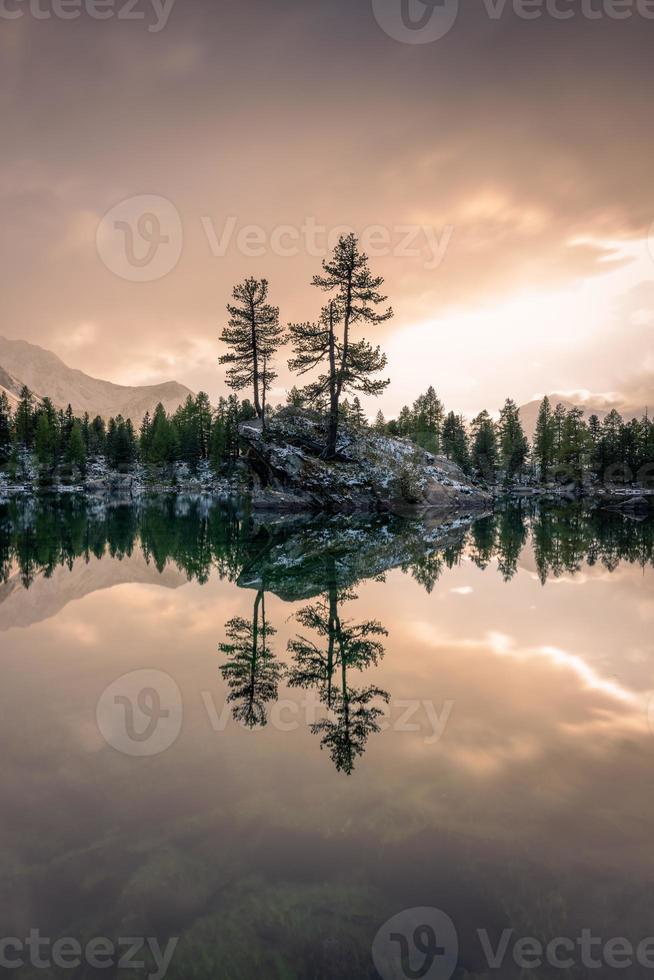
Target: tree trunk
x=332 y=428
x=255 y=362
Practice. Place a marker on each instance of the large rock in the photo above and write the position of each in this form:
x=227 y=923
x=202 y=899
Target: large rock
x=371 y=472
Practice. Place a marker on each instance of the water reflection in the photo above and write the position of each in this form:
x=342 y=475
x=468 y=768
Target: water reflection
x=343 y=646
x=295 y=557
x=530 y=813
x=251 y=671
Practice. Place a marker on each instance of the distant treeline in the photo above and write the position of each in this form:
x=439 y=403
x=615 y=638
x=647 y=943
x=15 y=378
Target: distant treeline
x=41 y=441
x=566 y=446
x=38 y=440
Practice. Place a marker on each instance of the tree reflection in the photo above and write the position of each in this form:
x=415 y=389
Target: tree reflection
x=251 y=672
x=201 y=539
x=326 y=663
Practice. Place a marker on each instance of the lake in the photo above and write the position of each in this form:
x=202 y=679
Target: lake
x=327 y=748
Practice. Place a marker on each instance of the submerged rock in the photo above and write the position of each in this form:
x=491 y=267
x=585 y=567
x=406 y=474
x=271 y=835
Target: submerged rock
x=371 y=472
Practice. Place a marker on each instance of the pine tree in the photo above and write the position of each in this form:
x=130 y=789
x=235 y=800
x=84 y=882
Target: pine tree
x=405 y=422
x=24 y=421
x=98 y=437
x=428 y=415
x=573 y=452
x=5 y=430
x=204 y=416
x=514 y=447
x=164 y=447
x=484 y=447
x=45 y=444
x=380 y=423
x=251 y=671
x=455 y=441
x=254 y=334
x=558 y=422
x=145 y=437
x=358 y=418
x=350 y=365
x=296 y=398
x=76 y=450
x=544 y=439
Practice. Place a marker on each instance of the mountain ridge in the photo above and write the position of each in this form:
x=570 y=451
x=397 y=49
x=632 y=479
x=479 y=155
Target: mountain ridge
x=44 y=372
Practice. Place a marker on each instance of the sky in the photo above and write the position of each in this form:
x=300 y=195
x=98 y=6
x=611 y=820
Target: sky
x=495 y=161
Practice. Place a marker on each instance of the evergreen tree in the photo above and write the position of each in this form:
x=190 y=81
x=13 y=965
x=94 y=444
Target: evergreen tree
x=296 y=398
x=558 y=421
x=405 y=422
x=145 y=438
x=45 y=445
x=24 y=422
x=455 y=441
x=122 y=447
x=6 y=422
x=428 y=415
x=204 y=418
x=98 y=437
x=544 y=439
x=86 y=432
x=76 y=450
x=514 y=447
x=254 y=334
x=164 y=446
x=379 y=425
x=350 y=365
x=573 y=452
x=358 y=418
x=251 y=671
x=484 y=446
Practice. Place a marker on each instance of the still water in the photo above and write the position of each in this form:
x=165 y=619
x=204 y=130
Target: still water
x=269 y=739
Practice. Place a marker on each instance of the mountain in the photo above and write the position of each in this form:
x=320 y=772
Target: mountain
x=10 y=386
x=529 y=412
x=46 y=374
x=49 y=594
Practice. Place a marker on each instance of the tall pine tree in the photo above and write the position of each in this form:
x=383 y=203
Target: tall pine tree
x=254 y=335
x=349 y=365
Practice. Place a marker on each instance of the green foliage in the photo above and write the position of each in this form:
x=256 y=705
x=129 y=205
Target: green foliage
x=5 y=430
x=254 y=335
x=513 y=444
x=347 y=366
x=455 y=441
x=485 y=454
